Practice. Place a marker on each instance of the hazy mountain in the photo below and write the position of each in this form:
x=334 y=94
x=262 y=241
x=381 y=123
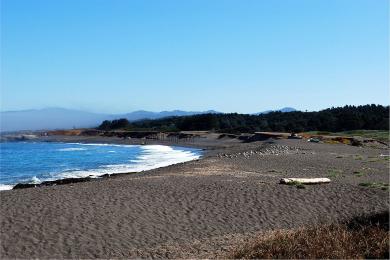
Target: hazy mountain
x=142 y=114
x=60 y=118
x=48 y=118
x=284 y=110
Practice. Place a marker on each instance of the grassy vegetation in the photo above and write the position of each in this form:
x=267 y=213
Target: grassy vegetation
x=384 y=159
x=318 y=133
x=365 y=237
x=375 y=185
x=380 y=135
x=376 y=159
x=358 y=173
x=358 y=157
x=334 y=173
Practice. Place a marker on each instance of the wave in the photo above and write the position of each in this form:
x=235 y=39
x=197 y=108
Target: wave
x=6 y=187
x=152 y=157
x=113 y=145
x=149 y=157
x=35 y=180
x=71 y=149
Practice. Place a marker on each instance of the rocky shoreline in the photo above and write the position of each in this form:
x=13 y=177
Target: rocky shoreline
x=67 y=181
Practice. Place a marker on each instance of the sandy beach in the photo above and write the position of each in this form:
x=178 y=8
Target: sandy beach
x=196 y=209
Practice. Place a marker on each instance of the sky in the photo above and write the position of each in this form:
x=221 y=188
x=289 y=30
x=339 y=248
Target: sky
x=244 y=56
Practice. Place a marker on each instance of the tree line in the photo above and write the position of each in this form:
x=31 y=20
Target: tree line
x=369 y=117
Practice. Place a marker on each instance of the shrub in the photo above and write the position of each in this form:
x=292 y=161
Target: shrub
x=363 y=237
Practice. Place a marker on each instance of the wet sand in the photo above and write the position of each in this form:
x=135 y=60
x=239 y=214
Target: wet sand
x=196 y=209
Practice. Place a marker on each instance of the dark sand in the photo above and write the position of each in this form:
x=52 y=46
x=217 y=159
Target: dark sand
x=195 y=209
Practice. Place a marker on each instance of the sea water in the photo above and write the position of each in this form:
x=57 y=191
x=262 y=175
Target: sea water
x=35 y=162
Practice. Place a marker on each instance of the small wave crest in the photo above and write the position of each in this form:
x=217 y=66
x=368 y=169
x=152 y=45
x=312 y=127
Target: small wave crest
x=71 y=149
x=6 y=187
x=35 y=180
x=113 y=145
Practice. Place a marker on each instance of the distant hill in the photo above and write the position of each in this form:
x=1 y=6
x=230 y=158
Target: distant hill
x=48 y=118
x=335 y=119
x=142 y=114
x=284 y=110
x=60 y=118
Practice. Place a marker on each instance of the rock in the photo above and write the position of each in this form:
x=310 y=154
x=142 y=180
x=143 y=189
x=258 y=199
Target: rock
x=356 y=142
x=24 y=186
x=65 y=181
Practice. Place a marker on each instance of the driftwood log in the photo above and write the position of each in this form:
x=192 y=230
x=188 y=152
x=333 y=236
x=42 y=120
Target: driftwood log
x=305 y=180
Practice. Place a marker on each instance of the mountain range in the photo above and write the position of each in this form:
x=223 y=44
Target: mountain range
x=284 y=110
x=61 y=118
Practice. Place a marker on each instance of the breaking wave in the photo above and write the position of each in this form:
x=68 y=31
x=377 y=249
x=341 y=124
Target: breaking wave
x=47 y=162
x=71 y=149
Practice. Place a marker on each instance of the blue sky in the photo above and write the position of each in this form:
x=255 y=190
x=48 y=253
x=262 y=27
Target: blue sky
x=232 y=56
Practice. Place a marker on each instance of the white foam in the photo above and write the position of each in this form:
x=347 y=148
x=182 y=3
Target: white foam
x=71 y=149
x=114 y=145
x=35 y=180
x=6 y=187
x=152 y=157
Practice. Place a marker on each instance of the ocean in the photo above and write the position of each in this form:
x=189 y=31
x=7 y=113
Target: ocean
x=35 y=162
